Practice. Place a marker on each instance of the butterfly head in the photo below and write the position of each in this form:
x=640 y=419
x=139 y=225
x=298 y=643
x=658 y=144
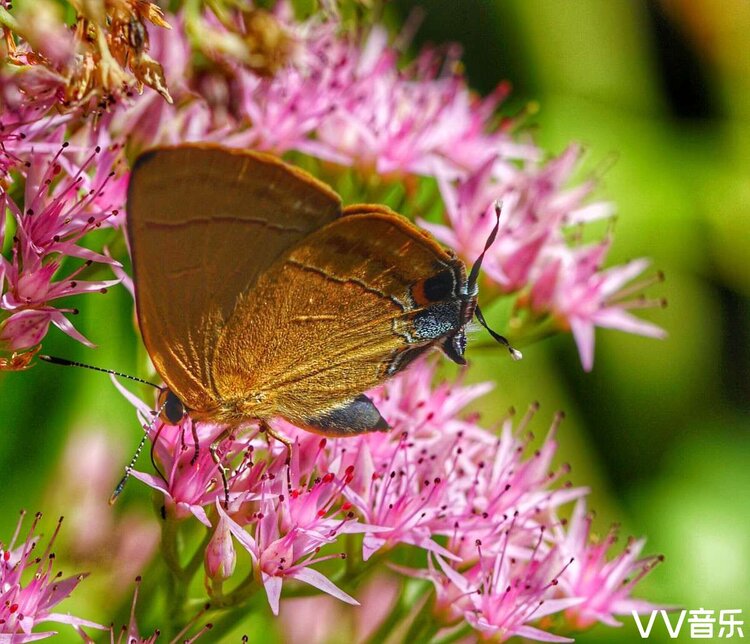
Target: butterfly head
x=172 y=408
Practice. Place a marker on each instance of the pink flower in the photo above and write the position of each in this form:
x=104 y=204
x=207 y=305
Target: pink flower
x=191 y=483
x=604 y=585
x=49 y=225
x=402 y=481
x=531 y=257
x=504 y=595
x=24 y=128
x=437 y=473
x=132 y=634
x=288 y=533
x=536 y=205
x=418 y=120
x=24 y=604
x=499 y=595
x=284 y=111
x=584 y=297
x=503 y=485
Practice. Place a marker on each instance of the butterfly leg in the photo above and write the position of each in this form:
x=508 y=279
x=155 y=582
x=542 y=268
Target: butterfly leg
x=270 y=431
x=152 y=455
x=216 y=456
x=196 y=445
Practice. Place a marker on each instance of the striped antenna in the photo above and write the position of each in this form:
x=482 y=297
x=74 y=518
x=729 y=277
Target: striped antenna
x=72 y=363
x=474 y=278
x=146 y=431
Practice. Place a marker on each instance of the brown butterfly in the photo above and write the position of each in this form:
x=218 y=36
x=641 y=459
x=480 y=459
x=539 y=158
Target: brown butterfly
x=260 y=296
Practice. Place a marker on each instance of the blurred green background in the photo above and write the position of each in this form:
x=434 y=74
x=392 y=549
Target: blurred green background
x=659 y=94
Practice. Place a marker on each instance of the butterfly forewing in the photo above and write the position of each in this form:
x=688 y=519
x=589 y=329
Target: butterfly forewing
x=342 y=310
x=204 y=224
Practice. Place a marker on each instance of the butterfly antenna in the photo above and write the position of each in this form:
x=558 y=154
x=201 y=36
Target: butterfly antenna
x=72 y=363
x=514 y=353
x=474 y=273
x=474 y=277
x=147 y=430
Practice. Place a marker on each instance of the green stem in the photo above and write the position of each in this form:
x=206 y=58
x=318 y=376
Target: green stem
x=244 y=591
x=197 y=559
x=400 y=610
x=176 y=583
x=169 y=549
x=424 y=625
x=458 y=633
x=226 y=621
x=8 y=21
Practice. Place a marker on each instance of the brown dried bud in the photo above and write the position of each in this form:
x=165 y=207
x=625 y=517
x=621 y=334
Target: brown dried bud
x=269 y=47
x=149 y=72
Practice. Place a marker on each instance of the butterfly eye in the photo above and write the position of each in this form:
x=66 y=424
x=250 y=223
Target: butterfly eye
x=172 y=409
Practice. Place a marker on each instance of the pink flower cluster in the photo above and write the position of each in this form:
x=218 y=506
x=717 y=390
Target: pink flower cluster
x=532 y=257
x=485 y=508
x=341 y=97
x=29 y=590
x=64 y=199
x=131 y=634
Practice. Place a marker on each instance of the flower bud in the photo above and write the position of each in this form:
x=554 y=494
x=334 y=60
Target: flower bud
x=220 y=554
x=24 y=329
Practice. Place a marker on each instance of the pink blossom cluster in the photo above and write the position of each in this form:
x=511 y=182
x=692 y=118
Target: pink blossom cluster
x=484 y=507
x=64 y=198
x=342 y=97
x=130 y=633
x=29 y=590
x=532 y=257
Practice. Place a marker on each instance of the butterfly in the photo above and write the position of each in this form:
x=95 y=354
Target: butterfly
x=259 y=295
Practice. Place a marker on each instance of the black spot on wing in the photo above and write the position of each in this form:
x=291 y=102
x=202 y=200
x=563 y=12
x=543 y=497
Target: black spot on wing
x=440 y=286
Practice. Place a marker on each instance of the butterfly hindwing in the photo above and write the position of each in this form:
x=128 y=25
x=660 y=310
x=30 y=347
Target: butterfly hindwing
x=345 y=308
